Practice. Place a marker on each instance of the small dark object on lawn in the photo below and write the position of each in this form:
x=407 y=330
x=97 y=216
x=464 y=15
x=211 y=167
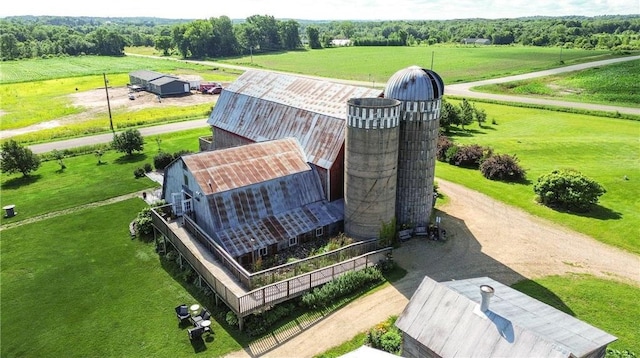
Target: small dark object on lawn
x=182 y=312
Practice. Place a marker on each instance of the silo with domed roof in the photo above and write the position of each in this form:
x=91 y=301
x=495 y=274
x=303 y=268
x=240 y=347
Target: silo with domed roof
x=420 y=93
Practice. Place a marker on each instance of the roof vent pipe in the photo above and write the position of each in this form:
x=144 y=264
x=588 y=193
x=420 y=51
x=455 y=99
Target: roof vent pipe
x=486 y=291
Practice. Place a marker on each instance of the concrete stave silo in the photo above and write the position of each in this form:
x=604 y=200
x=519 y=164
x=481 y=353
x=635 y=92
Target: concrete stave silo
x=371 y=159
x=420 y=92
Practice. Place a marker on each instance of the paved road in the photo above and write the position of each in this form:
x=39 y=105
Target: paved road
x=462 y=89
x=106 y=138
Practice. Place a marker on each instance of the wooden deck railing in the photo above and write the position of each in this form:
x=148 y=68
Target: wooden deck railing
x=274 y=293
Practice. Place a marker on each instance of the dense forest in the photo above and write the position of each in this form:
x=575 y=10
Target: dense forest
x=43 y=36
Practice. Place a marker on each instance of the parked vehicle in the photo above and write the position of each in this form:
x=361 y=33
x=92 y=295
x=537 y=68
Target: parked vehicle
x=210 y=88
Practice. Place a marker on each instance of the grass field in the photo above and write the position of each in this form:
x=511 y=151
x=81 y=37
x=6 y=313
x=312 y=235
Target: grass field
x=78 y=286
x=618 y=83
x=603 y=149
x=453 y=63
x=33 y=70
x=84 y=181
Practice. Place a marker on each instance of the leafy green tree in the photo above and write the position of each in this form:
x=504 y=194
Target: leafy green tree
x=164 y=44
x=128 y=141
x=9 y=49
x=290 y=35
x=449 y=115
x=16 y=158
x=568 y=189
x=480 y=115
x=466 y=113
x=314 y=37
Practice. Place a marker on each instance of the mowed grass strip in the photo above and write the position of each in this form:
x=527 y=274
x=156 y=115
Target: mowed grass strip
x=78 y=286
x=50 y=189
x=617 y=84
x=453 y=63
x=604 y=149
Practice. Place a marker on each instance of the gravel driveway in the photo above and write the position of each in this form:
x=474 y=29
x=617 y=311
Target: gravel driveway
x=485 y=238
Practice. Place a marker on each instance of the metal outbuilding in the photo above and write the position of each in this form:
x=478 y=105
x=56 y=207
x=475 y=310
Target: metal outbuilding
x=159 y=83
x=480 y=317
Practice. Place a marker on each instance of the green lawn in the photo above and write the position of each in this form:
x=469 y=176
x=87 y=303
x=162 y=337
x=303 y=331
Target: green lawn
x=84 y=181
x=604 y=149
x=78 y=286
x=617 y=84
x=453 y=63
x=608 y=305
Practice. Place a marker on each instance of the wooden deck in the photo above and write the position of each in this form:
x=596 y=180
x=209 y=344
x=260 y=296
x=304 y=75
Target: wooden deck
x=230 y=289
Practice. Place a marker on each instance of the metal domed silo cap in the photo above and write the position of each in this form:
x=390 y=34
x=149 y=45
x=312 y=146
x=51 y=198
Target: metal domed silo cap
x=414 y=84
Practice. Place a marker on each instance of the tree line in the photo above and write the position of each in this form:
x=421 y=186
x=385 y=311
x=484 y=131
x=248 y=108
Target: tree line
x=43 y=36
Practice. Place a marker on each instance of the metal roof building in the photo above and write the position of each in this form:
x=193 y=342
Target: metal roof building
x=264 y=191
x=159 y=83
x=447 y=320
x=262 y=105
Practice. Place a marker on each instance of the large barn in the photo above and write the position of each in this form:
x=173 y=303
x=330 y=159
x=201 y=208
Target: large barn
x=263 y=105
x=480 y=317
x=253 y=200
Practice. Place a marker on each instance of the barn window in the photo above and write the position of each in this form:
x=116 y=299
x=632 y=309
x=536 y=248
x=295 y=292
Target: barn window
x=319 y=231
x=263 y=251
x=293 y=241
x=186 y=180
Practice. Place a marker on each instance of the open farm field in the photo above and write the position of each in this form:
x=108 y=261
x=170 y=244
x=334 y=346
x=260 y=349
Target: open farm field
x=453 y=63
x=64 y=67
x=618 y=83
x=603 y=149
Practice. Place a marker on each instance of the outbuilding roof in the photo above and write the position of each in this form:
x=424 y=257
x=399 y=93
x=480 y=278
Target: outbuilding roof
x=146 y=75
x=445 y=318
x=165 y=79
x=263 y=105
x=226 y=169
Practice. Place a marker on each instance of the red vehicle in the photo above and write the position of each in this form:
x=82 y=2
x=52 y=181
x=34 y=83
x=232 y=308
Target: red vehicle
x=211 y=88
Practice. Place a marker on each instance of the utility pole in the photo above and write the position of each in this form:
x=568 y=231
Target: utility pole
x=432 y=53
x=106 y=89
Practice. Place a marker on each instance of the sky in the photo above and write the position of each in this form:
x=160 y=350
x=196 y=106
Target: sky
x=322 y=9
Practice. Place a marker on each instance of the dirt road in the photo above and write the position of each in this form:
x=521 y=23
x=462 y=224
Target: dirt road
x=485 y=238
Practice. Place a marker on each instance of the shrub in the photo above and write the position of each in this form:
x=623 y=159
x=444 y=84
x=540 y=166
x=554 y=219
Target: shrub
x=443 y=145
x=147 y=167
x=385 y=336
x=138 y=173
x=232 y=319
x=346 y=284
x=180 y=153
x=451 y=153
x=502 y=167
x=391 y=342
x=615 y=353
x=470 y=156
x=568 y=189
x=258 y=324
x=161 y=160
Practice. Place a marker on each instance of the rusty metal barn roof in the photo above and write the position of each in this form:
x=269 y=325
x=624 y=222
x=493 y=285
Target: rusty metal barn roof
x=262 y=105
x=279 y=227
x=223 y=170
x=445 y=317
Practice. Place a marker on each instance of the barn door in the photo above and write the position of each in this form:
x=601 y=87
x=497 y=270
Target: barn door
x=176 y=203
